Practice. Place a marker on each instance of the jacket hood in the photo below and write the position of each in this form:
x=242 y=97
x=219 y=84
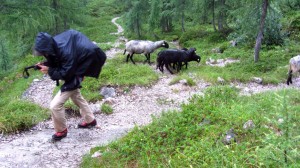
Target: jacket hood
x=44 y=43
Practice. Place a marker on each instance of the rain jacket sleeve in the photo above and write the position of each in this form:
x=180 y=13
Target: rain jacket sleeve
x=63 y=72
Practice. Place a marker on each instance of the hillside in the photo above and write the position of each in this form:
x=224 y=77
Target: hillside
x=135 y=108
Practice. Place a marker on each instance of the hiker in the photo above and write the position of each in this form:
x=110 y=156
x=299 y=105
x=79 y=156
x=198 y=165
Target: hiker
x=70 y=57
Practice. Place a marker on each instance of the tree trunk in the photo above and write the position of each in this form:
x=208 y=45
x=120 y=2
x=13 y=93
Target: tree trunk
x=65 y=24
x=182 y=22
x=220 y=22
x=221 y=16
x=261 y=30
x=55 y=6
x=4 y=55
x=213 y=12
x=138 y=26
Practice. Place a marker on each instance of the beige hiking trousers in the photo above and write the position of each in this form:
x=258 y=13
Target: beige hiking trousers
x=58 y=110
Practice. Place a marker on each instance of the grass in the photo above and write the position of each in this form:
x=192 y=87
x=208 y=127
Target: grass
x=106 y=109
x=116 y=72
x=180 y=138
x=15 y=113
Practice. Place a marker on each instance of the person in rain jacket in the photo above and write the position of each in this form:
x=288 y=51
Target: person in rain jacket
x=70 y=57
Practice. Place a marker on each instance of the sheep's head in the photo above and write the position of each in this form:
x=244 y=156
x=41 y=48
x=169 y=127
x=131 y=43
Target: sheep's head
x=193 y=55
x=196 y=58
x=165 y=44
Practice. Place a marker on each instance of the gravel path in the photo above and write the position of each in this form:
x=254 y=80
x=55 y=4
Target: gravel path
x=34 y=149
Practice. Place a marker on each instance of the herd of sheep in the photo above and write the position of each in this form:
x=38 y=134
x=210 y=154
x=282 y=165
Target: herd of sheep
x=179 y=57
x=169 y=57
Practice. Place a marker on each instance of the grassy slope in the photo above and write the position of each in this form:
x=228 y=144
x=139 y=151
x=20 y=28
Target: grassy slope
x=184 y=139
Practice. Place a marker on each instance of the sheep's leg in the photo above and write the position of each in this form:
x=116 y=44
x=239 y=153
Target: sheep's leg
x=174 y=64
x=161 y=67
x=147 y=58
x=127 y=57
x=132 y=59
x=157 y=65
x=186 y=64
x=289 y=79
x=167 y=66
x=179 y=66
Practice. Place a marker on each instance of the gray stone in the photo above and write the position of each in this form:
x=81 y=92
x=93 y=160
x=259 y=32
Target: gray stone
x=229 y=137
x=108 y=92
x=221 y=80
x=233 y=43
x=257 y=80
x=109 y=101
x=204 y=122
x=183 y=81
x=249 y=125
x=97 y=154
x=216 y=50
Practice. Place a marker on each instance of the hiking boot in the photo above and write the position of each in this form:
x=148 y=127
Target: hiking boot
x=87 y=125
x=60 y=135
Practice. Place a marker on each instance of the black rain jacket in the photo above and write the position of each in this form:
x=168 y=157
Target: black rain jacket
x=71 y=56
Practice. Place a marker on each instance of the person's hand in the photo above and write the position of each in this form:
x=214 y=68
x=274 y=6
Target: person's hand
x=44 y=69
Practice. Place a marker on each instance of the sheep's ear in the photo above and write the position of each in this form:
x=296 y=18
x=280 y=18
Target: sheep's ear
x=193 y=49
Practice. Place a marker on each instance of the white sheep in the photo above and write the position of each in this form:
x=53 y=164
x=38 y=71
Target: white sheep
x=143 y=47
x=293 y=68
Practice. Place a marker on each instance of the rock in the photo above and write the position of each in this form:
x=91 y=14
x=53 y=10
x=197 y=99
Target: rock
x=249 y=125
x=216 y=50
x=96 y=154
x=229 y=137
x=183 y=82
x=211 y=61
x=109 y=101
x=221 y=80
x=219 y=61
x=108 y=92
x=233 y=43
x=95 y=108
x=257 y=80
x=204 y=122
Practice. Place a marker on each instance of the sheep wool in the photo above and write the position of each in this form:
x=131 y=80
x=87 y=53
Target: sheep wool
x=293 y=68
x=143 y=47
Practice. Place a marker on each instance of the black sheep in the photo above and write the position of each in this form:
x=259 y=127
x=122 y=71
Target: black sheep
x=176 y=57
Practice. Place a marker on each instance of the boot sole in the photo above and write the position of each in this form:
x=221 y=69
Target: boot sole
x=56 y=138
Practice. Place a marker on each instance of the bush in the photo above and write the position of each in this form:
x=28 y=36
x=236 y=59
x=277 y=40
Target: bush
x=195 y=34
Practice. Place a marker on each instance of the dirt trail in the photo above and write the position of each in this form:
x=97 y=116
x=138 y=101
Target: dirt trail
x=34 y=149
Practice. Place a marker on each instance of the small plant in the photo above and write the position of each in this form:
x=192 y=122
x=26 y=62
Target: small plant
x=106 y=109
x=189 y=81
x=164 y=101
